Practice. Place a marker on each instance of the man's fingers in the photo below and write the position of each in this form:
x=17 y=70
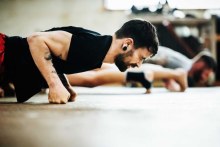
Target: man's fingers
x=62 y=101
x=58 y=102
x=51 y=101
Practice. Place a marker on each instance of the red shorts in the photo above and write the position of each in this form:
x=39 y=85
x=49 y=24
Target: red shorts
x=2 y=51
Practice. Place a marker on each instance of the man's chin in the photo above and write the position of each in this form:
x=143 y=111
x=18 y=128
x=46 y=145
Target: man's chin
x=121 y=66
x=122 y=69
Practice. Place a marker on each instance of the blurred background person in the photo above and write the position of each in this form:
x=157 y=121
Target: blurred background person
x=200 y=69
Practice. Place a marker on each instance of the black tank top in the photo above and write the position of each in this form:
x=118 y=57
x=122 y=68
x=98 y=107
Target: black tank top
x=87 y=51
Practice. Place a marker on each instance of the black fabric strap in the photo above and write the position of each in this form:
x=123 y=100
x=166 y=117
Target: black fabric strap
x=63 y=79
x=138 y=77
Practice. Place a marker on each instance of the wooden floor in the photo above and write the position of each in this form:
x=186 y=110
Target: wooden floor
x=114 y=117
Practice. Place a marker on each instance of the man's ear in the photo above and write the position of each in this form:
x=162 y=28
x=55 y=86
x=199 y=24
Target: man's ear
x=129 y=41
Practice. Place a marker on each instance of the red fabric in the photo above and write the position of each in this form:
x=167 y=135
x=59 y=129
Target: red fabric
x=2 y=48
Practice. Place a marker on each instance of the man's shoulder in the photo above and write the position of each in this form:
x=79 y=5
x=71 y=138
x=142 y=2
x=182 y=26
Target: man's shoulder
x=73 y=30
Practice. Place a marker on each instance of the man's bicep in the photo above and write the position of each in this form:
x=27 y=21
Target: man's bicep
x=58 y=42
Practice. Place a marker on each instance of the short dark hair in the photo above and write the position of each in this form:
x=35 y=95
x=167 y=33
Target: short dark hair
x=209 y=61
x=142 y=32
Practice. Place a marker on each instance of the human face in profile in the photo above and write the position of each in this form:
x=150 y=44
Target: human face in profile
x=201 y=76
x=132 y=58
x=200 y=73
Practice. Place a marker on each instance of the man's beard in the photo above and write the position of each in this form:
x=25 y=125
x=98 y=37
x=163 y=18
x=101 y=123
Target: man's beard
x=119 y=61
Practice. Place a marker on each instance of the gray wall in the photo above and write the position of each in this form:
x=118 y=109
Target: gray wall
x=22 y=17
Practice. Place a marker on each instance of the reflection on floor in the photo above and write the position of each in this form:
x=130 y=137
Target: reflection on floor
x=115 y=117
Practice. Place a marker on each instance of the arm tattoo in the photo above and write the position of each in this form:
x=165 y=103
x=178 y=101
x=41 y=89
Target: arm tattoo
x=47 y=56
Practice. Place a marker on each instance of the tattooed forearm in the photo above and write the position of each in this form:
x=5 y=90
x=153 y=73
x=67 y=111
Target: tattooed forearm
x=53 y=71
x=47 y=56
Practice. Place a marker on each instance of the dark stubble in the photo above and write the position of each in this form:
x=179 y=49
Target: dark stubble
x=119 y=61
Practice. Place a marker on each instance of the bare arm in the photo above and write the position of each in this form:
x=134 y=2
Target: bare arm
x=41 y=46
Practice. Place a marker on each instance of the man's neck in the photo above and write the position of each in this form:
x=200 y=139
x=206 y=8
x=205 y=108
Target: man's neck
x=113 y=50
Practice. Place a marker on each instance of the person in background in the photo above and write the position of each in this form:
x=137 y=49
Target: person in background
x=200 y=69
